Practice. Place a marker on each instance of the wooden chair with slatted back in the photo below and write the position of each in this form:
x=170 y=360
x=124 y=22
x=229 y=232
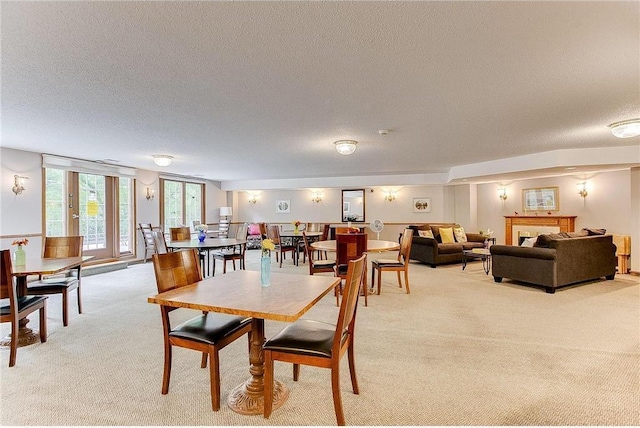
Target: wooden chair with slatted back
x=319 y=344
x=317 y=266
x=281 y=250
x=13 y=308
x=399 y=265
x=237 y=252
x=147 y=237
x=208 y=332
x=159 y=242
x=58 y=247
x=349 y=246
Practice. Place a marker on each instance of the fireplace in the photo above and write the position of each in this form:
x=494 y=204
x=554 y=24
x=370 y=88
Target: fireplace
x=517 y=226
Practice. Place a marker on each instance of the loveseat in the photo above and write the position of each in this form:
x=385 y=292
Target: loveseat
x=434 y=252
x=556 y=260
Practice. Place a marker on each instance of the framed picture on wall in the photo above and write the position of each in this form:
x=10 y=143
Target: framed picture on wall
x=346 y=207
x=540 y=199
x=421 y=205
x=283 y=206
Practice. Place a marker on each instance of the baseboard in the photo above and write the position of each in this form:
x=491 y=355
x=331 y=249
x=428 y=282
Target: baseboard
x=102 y=268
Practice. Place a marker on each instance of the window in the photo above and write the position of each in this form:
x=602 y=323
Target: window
x=182 y=203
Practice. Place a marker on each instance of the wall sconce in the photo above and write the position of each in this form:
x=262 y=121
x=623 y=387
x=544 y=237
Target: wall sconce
x=502 y=193
x=317 y=198
x=18 y=185
x=582 y=189
x=253 y=199
x=390 y=196
x=151 y=193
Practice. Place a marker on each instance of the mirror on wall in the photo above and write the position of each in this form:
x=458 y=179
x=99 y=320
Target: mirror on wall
x=353 y=205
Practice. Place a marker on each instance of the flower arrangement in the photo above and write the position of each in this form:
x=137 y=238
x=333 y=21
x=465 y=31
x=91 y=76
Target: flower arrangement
x=267 y=245
x=296 y=223
x=351 y=217
x=202 y=227
x=488 y=233
x=20 y=242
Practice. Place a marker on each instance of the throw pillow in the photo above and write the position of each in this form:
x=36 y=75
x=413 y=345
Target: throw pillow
x=595 y=231
x=254 y=229
x=425 y=234
x=459 y=234
x=529 y=242
x=446 y=234
x=542 y=241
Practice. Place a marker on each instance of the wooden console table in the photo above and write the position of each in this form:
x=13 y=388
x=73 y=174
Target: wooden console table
x=566 y=223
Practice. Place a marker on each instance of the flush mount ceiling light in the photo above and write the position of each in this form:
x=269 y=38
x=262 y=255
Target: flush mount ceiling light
x=162 y=160
x=626 y=128
x=346 y=147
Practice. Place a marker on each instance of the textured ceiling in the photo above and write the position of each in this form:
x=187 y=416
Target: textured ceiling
x=260 y=90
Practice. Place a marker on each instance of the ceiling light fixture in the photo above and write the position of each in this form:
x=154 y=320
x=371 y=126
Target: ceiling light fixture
x=162 y=160
x=626 y=128
x=346 y=147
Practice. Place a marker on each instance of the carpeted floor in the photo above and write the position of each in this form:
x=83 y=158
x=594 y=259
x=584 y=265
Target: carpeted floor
x=459 y=350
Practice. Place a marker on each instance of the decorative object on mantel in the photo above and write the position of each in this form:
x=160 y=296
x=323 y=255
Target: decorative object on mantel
x=19 y=255
x=265 y=262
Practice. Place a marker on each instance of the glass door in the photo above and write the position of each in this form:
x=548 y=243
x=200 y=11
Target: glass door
x=91 y=214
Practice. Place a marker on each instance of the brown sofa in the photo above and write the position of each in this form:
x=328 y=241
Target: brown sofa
x=556 y=260
x=433 y=252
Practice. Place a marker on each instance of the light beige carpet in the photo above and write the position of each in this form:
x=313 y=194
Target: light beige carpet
x=459 y=350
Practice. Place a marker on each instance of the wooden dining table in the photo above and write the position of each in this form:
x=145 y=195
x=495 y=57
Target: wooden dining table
x=296 y=238
x=37 y=266
x=207 y=245
x=240 y=293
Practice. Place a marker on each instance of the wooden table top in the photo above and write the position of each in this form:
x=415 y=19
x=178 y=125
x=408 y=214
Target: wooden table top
x=373 y=245
x=240 y=293
x=207 y=243
x=48 y=266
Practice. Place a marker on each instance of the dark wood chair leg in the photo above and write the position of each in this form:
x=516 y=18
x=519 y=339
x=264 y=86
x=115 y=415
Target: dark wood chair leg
x=65 y=308
x=79 y=299
x=43 y=323
x=166 y=375
x=214 y=369
x=337 y=399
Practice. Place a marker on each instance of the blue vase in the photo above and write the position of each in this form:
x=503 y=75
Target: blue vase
x=265 y=271
x=202 y=235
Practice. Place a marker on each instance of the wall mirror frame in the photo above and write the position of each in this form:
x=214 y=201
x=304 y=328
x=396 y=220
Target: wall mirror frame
x=353 y=205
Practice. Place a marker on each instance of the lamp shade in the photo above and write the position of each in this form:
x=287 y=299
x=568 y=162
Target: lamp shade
x=626 y=128
x=345 y=147
x=225 y=211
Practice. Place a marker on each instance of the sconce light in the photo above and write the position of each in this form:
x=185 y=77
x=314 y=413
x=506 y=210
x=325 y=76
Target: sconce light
x=317 y=198
x=390 y=196
x=18 y=185
x=582 y=189
x=502 y=193
x=253 y=199
x=151 y=193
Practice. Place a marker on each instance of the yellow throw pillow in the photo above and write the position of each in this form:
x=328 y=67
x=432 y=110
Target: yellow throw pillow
x=446 y=234
x=425 y=234
x=459 y=234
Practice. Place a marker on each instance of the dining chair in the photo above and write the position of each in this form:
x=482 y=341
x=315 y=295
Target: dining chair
x=281 y=249
x=349 y=246
x=236 y=252
x=160 y=244
x=15 y=308
x=57 y=247
x=182 y=233
x=316 y=266
x=399 y=265
x=325 y=235
x=319 y=344
x=147 y=237
x=208 y=332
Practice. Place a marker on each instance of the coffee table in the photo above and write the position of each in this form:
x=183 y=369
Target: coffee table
x=479 y=253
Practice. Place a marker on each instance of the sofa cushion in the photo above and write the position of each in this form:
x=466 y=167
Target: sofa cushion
x=450 y=248
x=459 y=234
x=446 y=235
x=425 y=234
x=593 y=232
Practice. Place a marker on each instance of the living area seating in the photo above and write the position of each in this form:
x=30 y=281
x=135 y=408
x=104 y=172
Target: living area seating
x=428 y=245
x=556 y=260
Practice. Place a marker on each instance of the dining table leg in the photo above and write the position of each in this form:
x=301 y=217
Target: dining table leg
x=26 y=336
x=248 y=398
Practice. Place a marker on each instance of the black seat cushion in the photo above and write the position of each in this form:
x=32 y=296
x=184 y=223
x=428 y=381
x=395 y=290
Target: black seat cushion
x=209 y=328
x=52 y=284
x=23 y=303
x=324 y=263
x=387 y=262
x=305 y=337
